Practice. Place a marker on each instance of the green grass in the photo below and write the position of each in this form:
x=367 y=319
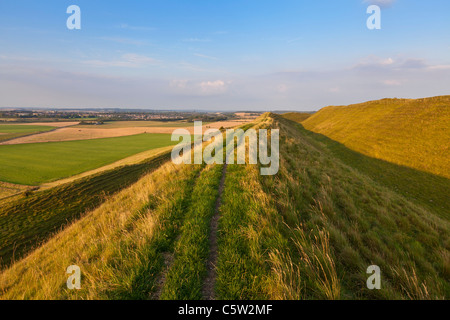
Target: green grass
x=297 y=116
x=184 y=280
x=119 y=246
x=309 y=232
x=423 y=188
x=413 y=133
x=11 y=131
x=25 y=222
x=168 y=212
x=33 y=164
x=248 y=233
x=351 y=221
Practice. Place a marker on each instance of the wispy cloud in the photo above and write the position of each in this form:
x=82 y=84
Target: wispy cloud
x=381 y=3
x=200 y=88
x=196 y=40
x=204 y=56
x=124 y=40
x=213 y=87
x=370 y=78
x=129 y=60
x=136 y=28
x=392 y=82
x=294 y=40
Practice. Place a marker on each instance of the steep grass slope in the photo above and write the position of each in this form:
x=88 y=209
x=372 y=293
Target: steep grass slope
x=313 y=230
x=413 y=133
x=297 y=116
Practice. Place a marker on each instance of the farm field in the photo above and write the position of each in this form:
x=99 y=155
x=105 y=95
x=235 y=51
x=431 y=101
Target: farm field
x=131 y=160
x=310 y=232
x=33 y=164
x=28 y=219
x=138 y=124
x=117 y=129
x=11 y=131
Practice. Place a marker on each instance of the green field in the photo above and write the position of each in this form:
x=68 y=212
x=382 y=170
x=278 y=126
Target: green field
x=11 y=131
x=33 y=164
x=33 y=217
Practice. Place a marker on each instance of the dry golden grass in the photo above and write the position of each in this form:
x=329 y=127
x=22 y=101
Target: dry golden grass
x=309 y=232
x=106 y=243
x=413 y=133
x=10 y=189
x=297 y=116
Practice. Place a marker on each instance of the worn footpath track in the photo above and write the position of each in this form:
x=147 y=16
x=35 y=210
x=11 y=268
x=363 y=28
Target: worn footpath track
x=208 y=286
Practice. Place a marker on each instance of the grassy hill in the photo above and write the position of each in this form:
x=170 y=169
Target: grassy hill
x=310 y=232
x=413 y=133
x=297 y=116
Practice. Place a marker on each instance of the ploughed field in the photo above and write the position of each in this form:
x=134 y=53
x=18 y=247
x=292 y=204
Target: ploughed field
x=115 y=129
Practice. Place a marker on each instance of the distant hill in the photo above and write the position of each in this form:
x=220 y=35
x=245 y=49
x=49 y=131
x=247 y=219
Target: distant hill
x=413 y=133
x=297 y=116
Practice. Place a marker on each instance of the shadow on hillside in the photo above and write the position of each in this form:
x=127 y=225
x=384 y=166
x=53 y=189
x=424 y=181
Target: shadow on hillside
x=423 y=188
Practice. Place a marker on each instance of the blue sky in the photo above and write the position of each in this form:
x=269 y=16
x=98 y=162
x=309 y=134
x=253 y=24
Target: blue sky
x=221 y=55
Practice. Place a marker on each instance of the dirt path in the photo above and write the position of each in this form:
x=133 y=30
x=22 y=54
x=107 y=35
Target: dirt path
x=208 y=286
x=168 y=260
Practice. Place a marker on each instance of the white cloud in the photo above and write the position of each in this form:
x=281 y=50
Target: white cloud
x=213 y=87
x=372 y=78
x=381 y=3
x=199 y=88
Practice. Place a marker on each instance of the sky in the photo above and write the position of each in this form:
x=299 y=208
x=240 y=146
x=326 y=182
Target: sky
x=221 y=55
